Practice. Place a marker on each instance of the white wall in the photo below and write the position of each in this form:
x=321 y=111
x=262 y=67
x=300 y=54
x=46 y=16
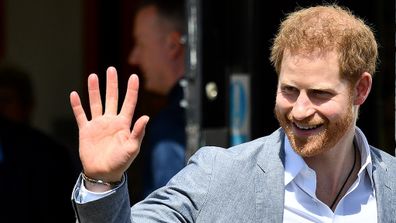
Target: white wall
x=45 y=38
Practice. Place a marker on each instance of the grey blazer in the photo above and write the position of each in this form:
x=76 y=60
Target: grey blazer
x=244 y=183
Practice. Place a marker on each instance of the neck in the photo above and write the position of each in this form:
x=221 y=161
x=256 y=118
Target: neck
x=334 y=168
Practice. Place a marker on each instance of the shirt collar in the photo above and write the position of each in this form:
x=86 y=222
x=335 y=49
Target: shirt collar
x=365 y=154
x=294 y=163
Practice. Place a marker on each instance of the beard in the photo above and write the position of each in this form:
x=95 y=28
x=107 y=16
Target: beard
x=327 y=138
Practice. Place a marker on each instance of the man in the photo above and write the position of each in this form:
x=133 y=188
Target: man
x=27 y=154
x=318 y=167
x=159 y=52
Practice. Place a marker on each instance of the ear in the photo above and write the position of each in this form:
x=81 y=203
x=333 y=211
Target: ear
x=174 y=45
x=362 y=88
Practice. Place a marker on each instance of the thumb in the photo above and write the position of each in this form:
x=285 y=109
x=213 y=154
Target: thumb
x=139 y=129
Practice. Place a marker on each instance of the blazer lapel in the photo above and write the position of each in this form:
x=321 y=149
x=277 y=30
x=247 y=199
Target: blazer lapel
x=270 y=179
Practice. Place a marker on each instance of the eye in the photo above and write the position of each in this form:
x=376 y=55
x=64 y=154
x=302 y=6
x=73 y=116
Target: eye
x=289 y=90
x=320 y=94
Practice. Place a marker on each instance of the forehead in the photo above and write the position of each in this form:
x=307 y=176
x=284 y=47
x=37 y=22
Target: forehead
x=314 y=68
x=146 y=20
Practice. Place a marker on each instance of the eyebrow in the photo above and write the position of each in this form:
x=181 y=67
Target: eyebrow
x=316 y=88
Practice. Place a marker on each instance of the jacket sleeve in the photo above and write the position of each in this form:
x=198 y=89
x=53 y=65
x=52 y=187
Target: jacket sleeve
x=111 y=208
x=179 y=201
x=183 y=197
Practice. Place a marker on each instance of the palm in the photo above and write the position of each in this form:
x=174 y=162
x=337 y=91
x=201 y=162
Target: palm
x=104 y=144
x=107 y=146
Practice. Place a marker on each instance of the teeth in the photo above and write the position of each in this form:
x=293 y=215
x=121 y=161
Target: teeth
x=306 y=127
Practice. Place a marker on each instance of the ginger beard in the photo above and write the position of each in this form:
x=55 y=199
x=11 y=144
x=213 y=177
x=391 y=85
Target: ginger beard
x=316 y=144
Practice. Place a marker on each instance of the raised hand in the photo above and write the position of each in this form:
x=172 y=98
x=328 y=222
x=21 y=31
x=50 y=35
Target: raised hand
x=107 y=146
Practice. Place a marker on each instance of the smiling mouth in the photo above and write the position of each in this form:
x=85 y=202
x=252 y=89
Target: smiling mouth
x=306 y=128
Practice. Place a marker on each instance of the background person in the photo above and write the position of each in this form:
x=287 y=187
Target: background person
x=159 y=52
x=27 y=154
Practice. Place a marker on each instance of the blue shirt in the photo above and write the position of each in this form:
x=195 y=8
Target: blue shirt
x=165 y=143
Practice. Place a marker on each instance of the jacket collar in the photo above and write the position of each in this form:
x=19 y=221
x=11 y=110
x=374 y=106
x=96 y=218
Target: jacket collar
x=384 y=184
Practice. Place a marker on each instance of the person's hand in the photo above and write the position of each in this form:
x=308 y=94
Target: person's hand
x=107 y=146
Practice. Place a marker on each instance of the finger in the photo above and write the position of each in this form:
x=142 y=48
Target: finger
x=95 y=102
x=111 y=91
x=78 y=110
x=138 y=130
x=128 y=107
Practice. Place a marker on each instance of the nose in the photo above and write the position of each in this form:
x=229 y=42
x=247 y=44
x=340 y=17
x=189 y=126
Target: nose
x=133 y=57
x=302 y=107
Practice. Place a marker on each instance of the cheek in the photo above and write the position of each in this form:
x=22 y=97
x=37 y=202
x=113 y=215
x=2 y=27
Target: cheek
x=147 y=53
x=332 y=111
x=282 y=104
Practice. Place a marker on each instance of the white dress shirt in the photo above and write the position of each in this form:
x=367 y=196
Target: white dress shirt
x=302 y=205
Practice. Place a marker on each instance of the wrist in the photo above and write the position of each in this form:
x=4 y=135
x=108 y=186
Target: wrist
x=99 y=185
